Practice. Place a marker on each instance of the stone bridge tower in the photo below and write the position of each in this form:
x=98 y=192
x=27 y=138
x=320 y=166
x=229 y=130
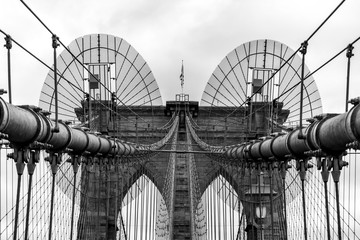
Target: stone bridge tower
x=107 y=88
x=107 y=185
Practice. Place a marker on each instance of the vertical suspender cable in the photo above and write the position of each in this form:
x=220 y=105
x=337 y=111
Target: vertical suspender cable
x=116 y=168
x=338 y=209
x=142 y=192
x=8 y=46
x=75 y=169
x=55 y=45
x=150 y=203
x=136 y=204
x=139 y=202
x=143 y=218
x=209 y=213
x=98 y=198
x=147 y=207
x=231 y=203
x=327 y=209
x=283 y=170
x=90 y=218
x=129 y=223
x=304 y=206
x=213 y=204
x=28 y=206
x=271 y=200
x=212 y=228
x=302 y=168
x=83 y=202
x=1 y=190
x=20 y=165
x=325 y=178
x=122 y=197
x=241 y=173
x=88 y=95
x=337 y=165
x=108 y=178
x=54 y=167
x=349 y=54
x=206 y=195
x=355 y=186
x=218 y=201
x=212 y=208
x=303 y=51
x=127 y=201
x=34 y=158
x=251 y=198
x=260 y=182
x=233 y=207
x=223 y=202
x=205 y=205
x=348 y=200
x=153 y=211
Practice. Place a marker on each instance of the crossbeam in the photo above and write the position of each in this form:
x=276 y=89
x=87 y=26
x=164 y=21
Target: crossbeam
x=186 y=151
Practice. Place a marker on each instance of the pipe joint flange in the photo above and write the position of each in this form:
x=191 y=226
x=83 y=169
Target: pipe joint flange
x=354 y=101
x=54 y=159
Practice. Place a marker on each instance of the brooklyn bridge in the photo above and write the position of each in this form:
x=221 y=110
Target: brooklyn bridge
x=103 y=157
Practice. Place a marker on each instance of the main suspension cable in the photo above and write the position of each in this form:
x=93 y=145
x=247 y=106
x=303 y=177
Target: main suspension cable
x=319 y=68
x=272 y=76
x=63 y=77
x=74 y=57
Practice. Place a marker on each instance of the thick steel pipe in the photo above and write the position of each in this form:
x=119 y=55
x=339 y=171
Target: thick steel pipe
x=330 y=135
x=94 y=144
x=255 y=151
x=121 y=150
x=266 y=148
x=45 y=129
x=21 y=125
x=279 y=147
x=334 y=133
x=105 y=146
x=61 y=140
x=232 y=153
x=115 y=148
x=79 y=141
x=24 y=126
x=296 y=146
x=240 y=152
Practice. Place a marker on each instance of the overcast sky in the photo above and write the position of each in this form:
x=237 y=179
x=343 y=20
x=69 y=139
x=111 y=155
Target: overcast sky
x=200 y=32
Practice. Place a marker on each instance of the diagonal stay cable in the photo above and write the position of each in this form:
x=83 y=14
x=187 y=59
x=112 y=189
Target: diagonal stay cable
x=262 y=86
x=311 y=35
x=319 y=68
x=63 y=77
x=65 y=47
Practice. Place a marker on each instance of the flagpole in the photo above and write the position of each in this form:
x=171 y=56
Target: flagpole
x=182 y=77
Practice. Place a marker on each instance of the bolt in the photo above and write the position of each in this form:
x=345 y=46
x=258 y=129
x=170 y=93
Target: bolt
x=349 y=53
x=10 y=155
x=354 y=101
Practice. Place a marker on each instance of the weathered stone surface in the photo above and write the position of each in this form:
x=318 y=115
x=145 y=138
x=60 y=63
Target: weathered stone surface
x=106 y=186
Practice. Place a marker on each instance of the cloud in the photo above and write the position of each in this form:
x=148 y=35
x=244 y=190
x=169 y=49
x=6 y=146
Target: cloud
x=166 y=32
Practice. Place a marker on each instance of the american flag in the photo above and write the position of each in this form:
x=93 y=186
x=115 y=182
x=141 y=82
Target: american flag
x=182 y=74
